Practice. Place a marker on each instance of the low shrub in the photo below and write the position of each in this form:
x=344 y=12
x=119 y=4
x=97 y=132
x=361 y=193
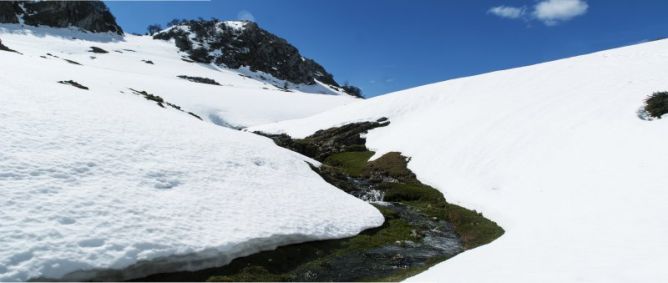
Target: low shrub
x=656 y=104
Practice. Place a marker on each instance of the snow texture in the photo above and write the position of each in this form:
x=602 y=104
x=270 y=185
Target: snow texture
x=107 y=185
x=553 y=152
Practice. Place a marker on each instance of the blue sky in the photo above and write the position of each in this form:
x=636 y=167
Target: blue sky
x=389 y=45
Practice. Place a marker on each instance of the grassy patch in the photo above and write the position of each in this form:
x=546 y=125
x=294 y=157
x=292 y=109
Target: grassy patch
x=472 y=227
x=353 y=163
x=424 y=198
x=392 y=165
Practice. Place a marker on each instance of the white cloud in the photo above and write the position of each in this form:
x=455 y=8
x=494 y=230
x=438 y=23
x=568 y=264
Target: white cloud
x=507 y=12
x=552 y=12
x=245 y=16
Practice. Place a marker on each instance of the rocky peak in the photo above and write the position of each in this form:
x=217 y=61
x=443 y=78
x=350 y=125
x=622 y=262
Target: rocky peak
x=236 y=44
x=93 y=16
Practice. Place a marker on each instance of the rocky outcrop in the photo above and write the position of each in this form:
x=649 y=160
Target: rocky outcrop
x=5 y=48
x=236 y=44
x=93 y=16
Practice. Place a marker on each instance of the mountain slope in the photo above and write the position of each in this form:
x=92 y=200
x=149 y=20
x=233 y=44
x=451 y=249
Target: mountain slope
x=242 y=99
x=555 y=153
x=103 y=177
x=237 y=44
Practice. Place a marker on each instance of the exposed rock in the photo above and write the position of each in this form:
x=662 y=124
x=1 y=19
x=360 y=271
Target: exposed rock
x=72 y=62
x=161 y=102
x=93 y=16
x=5 y=48
x=200 y=80
x=99 y=50
x=236 y=44
x=74 y=84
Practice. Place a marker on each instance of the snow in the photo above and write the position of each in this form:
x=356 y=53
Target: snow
x=235 y=25
x=240 y=102
x=554 y=152
x=103 y=184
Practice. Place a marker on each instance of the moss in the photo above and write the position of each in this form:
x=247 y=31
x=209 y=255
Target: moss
x=249 y=274
x=392 y=165
x=472 y=227
x=352 y=163
x=393 y=230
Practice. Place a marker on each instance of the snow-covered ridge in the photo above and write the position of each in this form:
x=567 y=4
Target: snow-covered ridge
x=103 y=183
x=554 y=152
x=243 y=44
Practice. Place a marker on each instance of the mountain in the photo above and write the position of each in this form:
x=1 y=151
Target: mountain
x=229 y=44
x=93 y=16
x=555 y=153
x=237 y=44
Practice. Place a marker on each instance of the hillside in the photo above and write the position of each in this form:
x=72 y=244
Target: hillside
x=241 y=97
x=108 y=173
x=555 y=153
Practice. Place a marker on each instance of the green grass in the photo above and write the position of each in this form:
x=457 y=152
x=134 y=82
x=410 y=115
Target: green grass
x=352 y=163
x=393 y=165
x=424 y=198
x=472 y=227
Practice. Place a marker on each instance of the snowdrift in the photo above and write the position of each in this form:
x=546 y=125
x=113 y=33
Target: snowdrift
x=105 y=184
x=555 y=153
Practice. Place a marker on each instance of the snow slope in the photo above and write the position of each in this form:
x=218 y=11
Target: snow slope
x=109 y=184
x=553 y=152
x=244 y=99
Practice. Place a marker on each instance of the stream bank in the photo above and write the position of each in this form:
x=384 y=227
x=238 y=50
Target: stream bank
x=421 y=228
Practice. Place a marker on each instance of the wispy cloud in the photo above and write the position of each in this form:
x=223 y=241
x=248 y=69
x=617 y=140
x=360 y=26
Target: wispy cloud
x=549 y=12
x=508 y=12
x=245 y=16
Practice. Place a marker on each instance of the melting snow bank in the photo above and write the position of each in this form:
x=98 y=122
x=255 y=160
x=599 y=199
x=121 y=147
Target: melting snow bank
x=97 y=184
x=555 y=153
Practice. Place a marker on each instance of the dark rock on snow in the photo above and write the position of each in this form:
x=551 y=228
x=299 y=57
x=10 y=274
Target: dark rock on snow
x=99 y=50
x=5 y=48
x=199 y=80
x=93 y=16
x=74 y=84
